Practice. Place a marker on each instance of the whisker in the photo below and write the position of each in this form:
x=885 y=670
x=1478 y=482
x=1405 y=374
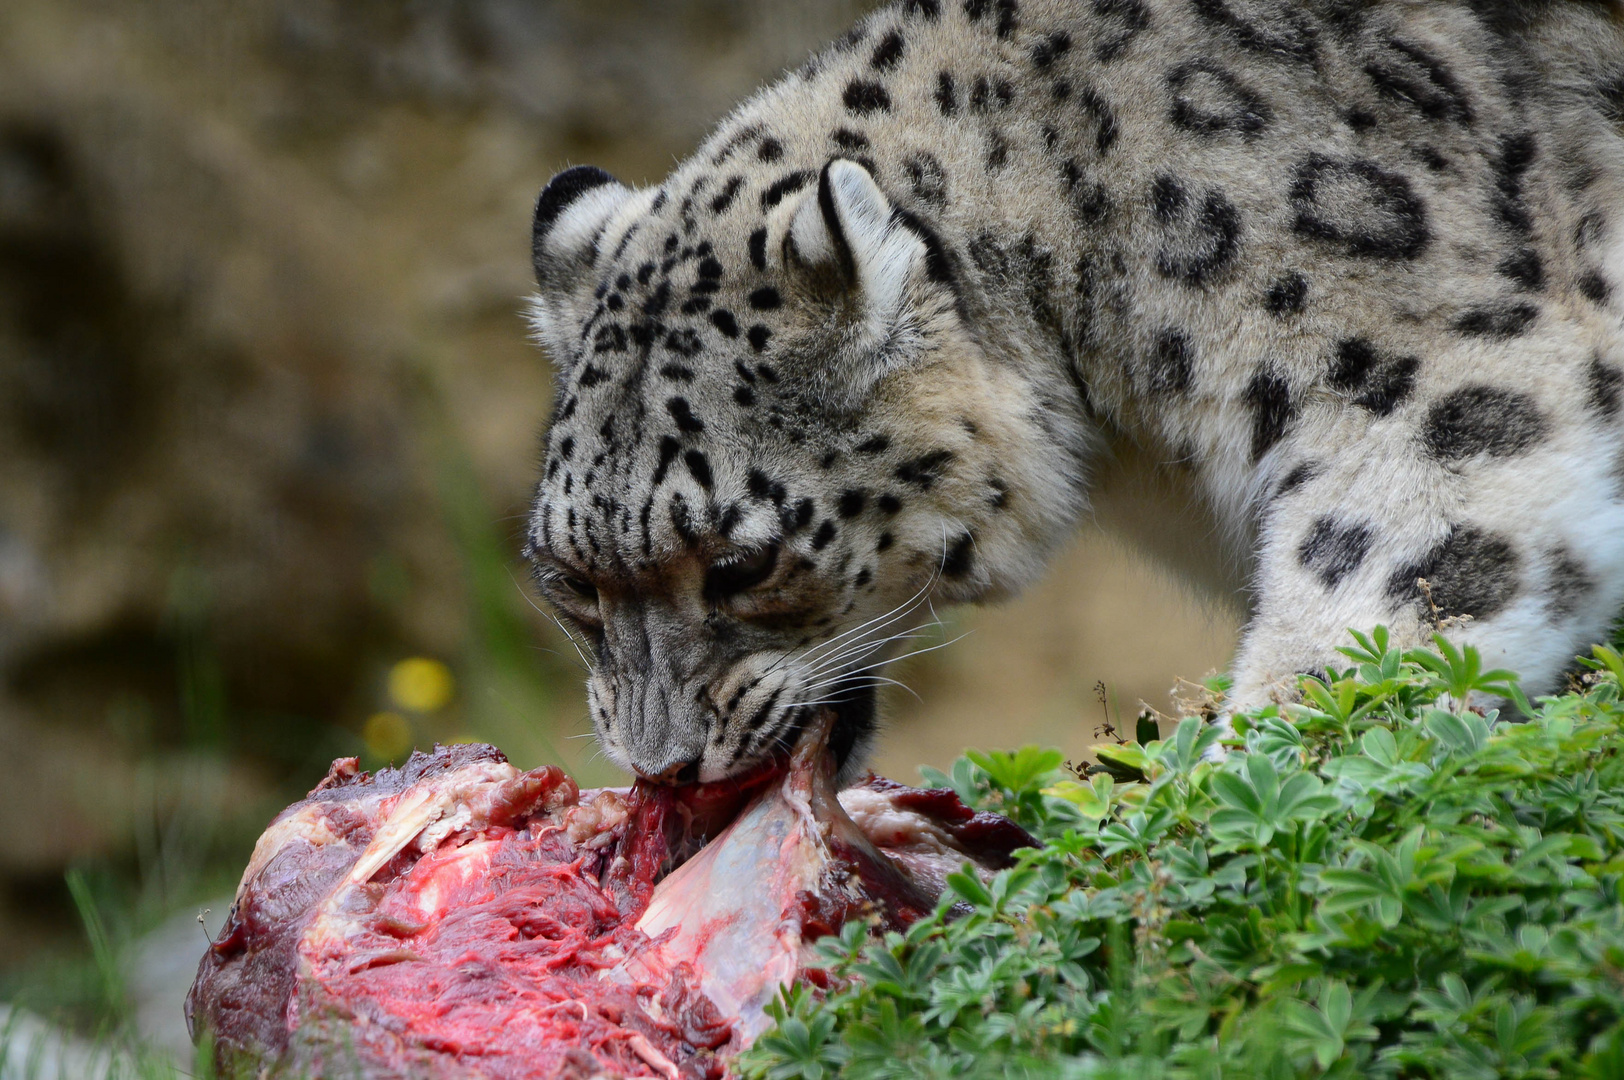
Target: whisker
x=869 y=644
x=788 y=732
x=858 y=680
x=566 y=657
x=857 y=675
x=760 y=738
x=858 y=633
x=818 y=704
x=908 y=655
x=866 y=647
x=861 y=656
x=859 y=630
x=875 y=680
x=883 y=620
x=586 y=664
x=921 y=595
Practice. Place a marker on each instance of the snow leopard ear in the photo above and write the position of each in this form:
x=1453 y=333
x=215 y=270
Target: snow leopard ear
x=852 y=245
x=571 y=214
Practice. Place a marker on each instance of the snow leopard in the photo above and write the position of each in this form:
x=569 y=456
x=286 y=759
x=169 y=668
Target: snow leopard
x=1344 y=275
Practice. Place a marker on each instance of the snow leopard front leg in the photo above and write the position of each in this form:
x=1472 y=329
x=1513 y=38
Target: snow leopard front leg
x=1482 y=509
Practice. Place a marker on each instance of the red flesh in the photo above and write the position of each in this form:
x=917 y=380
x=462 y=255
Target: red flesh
x=458 y=918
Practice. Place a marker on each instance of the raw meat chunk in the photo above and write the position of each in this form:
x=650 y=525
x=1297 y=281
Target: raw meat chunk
x=458 y=917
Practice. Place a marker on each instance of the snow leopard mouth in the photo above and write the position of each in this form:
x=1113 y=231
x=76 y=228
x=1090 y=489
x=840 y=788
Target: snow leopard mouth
x=855 y=709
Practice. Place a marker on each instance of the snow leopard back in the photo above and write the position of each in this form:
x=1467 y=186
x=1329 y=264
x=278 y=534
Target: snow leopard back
x=1350 y=268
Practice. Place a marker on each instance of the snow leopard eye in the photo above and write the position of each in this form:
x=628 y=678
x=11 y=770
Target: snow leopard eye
x=740 y=573
x=580 y=587
x=572 y=594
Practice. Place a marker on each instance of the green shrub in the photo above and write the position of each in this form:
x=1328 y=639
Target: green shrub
x=1380 y=882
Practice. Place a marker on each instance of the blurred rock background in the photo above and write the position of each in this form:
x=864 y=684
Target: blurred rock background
x=268 y=420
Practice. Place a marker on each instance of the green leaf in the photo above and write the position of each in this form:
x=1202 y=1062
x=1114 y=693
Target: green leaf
x=969 y=886
x=1019 y=770
x=1465 y=734
x=1127 y=760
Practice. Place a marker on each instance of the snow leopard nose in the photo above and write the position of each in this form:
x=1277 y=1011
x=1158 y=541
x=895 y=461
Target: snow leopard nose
x=678 y=774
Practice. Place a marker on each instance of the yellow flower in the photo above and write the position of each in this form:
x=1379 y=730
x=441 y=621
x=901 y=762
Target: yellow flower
x=388 y=735
x=421 y=685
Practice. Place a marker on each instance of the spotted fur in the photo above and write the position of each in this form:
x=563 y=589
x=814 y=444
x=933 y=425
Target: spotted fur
x=1345 y=271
